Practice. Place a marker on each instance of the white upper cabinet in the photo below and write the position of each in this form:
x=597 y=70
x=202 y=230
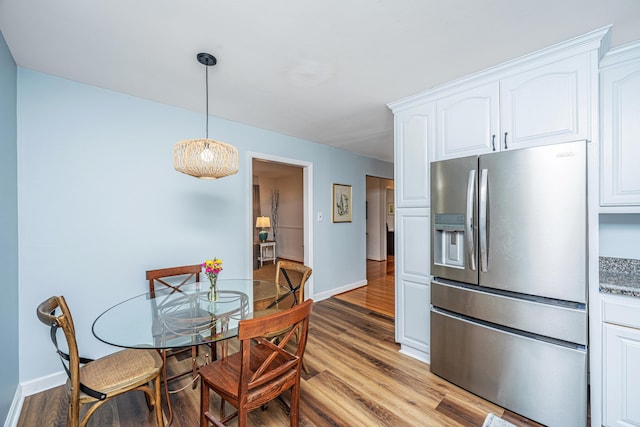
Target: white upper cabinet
x=620 y=126
x=468 y=122
x=414 y=130
x=546 y=104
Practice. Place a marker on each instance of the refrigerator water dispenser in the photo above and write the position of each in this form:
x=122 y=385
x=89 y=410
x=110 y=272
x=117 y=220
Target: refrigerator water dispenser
x=449 y=240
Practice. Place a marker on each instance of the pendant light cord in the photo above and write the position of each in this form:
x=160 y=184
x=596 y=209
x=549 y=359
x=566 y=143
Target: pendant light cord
x=206 y=85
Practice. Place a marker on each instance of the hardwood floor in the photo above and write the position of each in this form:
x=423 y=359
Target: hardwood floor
x=357 y=377
x=379 y=293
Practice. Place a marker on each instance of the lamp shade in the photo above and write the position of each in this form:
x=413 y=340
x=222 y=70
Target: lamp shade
x=205 y=158
x=263 y=222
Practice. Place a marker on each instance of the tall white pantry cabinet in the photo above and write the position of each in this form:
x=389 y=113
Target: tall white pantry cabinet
x=547 y=97
x=620 y=193
x=414 y=128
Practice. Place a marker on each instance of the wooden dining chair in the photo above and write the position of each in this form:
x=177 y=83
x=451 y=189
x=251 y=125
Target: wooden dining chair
x=99 y=380
x=170 y=280
x=295 y=275
x=258 y=373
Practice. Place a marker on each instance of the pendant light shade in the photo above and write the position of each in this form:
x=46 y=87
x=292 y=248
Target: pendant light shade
x=205 y=158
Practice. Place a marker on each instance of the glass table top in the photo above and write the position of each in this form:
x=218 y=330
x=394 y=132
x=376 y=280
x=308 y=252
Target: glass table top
x=184 y=317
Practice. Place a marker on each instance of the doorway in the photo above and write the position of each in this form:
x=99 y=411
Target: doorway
x=380 y=218
x=378 y=294
x=280 y=189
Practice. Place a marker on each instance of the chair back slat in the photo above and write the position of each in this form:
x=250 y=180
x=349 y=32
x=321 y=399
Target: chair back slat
x=283 y=270
x=158 y=276
x=46 y=313
x=280 y=360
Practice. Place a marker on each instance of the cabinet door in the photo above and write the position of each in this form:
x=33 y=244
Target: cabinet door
x=621 y=376
x=413 y=281
x=413 y=133
x=620 y=174
x=547 y=105
x=468 y=123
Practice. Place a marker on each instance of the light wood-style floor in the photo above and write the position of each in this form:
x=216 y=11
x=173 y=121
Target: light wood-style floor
x=379 y=293
x=357 y=377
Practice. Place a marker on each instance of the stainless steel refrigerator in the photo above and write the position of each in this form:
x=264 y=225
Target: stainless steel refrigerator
x=509 y=293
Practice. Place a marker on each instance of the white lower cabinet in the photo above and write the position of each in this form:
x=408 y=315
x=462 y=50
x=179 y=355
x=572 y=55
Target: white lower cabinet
x=621 y=362
x=413 y=293
x=413 y=323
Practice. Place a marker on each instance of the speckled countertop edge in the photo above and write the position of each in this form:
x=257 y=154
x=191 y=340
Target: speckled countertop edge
x=620 y=276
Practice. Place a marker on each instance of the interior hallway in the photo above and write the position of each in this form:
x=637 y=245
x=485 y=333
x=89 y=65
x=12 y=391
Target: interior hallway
x=379 y=293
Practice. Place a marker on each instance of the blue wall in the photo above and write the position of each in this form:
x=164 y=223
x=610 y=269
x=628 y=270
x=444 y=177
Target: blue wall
x=100 y=203
x=620 y=235
x=8 y=230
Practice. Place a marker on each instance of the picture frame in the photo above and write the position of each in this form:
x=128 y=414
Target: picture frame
x=342 y=203
x=391 y=209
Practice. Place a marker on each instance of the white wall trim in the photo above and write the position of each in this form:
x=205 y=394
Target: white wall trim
x=16 y=407
x=598 y=38
x=345 y=288
x=416 y=354
x=43 y=383
x=28 y=388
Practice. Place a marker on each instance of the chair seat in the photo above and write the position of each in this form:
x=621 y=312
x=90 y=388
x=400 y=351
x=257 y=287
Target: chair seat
x=222 y=375
x=119 y=372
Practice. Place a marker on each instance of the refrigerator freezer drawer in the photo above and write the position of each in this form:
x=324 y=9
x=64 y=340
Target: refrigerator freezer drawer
x=539 y=380
x=555 y=321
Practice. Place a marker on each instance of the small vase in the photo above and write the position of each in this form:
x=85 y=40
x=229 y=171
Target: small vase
x=213 y=289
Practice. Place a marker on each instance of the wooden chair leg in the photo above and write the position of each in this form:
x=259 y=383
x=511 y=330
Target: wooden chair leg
x=148 y=399
x=157 y=383
x=242 y=417
x=204 y=403
x=294 y=408
x=73 y=413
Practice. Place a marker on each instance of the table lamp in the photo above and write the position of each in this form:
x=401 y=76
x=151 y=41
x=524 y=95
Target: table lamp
x=263 y=222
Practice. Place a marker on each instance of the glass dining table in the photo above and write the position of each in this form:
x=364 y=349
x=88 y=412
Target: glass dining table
x=183 y=316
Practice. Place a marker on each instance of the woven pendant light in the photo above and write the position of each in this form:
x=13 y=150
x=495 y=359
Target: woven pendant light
x=205 y=158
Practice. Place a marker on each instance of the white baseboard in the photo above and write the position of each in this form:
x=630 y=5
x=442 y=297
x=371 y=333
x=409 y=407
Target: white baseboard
x=43 y=383
x=416 y=354
x=28 y=388
x=16 y=407
x=349 y=287
x=291 y=257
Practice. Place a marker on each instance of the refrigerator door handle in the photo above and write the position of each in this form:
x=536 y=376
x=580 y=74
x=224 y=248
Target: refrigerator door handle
x=482 y=220
x=468 y=224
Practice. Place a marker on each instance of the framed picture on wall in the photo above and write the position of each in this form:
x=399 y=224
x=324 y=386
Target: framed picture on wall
x=342 y=203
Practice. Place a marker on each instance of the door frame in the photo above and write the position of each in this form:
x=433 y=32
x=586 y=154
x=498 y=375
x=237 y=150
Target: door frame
x=381 y=215
x=307 y=207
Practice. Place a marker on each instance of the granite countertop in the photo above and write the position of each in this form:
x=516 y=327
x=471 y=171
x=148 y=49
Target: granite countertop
x=620 y=276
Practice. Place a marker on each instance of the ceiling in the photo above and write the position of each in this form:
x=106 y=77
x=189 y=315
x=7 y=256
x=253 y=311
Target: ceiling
x=319 y=70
